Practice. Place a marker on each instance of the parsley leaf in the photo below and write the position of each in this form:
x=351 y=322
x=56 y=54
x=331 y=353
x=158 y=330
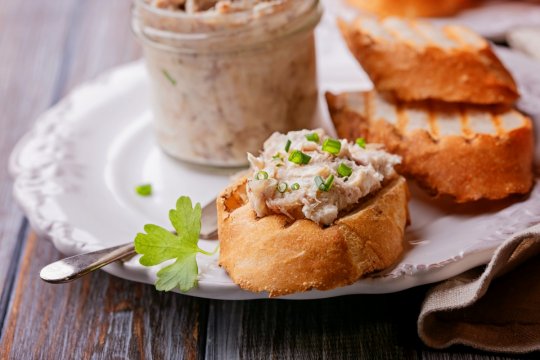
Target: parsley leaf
x=158 y=245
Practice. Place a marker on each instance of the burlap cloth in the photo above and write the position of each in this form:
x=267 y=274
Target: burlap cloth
x=496 y=308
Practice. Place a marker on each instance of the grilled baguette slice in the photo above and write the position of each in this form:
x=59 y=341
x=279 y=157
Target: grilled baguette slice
x=416 y=61
x=282 y=256
x=413 y=8
x=467 y=152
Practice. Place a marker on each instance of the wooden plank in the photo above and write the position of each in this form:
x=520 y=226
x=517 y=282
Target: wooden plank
x=100 y=39
x=352 y=327
x=99 y=316
x=30 y=63
x=369 y=326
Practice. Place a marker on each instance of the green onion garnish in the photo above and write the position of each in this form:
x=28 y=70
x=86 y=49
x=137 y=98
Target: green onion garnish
x=361 y=142
x=324 y=185
x=299 y=157
x=287 y=145
x=278 y=156
x=169 y=77
x=328 y=183
x=332 y=146
x=282 y=187
x=319 y=181
x=313 y=137
x=343 y=170
x=144 y=189
x=295 y=186
x=261 y=175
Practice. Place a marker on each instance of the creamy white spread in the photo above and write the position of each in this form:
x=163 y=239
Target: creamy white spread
x=225 y=75
x=219 y=6
x=302 y=196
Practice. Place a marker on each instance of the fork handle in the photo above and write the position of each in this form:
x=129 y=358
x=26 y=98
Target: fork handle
x=74 y=267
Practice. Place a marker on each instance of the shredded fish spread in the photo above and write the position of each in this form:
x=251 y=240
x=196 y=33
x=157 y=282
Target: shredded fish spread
x=319 y=180
x=220 y=6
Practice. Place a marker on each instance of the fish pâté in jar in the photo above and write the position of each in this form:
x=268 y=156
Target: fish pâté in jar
x=225 y=75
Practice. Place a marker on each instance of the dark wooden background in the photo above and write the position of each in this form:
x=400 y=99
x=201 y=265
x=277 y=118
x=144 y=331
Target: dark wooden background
x=47 y=47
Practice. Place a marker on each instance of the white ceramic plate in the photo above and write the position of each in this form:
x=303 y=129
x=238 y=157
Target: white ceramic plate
x=76 y=170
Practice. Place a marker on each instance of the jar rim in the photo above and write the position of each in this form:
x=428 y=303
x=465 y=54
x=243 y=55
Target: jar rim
x=307 y=19
x=198 y=15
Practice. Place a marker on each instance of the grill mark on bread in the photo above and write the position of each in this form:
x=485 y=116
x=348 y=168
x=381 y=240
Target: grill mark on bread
x=402 y=30
x=467 y=131
x=402 y=120
x=427 y=39
x=497 y=124
x=464 y=37
x=419 y=34
x=437 y=119
x=375 y=30
x=366 y=102
x=452 y=35
x=434 y=35
x=433 y=126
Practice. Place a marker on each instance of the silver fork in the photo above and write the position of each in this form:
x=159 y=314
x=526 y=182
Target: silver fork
x=74 y=267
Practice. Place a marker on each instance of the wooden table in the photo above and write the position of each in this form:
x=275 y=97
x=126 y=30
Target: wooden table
x=47 y=47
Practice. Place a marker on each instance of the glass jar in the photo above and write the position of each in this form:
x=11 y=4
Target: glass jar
x=222 y=83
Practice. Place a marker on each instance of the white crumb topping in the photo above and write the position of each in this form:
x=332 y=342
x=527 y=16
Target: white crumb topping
x=369 y=167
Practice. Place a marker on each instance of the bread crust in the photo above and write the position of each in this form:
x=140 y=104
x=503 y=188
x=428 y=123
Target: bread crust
x=466 y=74
x=414 y=8
x=281 y=256
x=482 y=167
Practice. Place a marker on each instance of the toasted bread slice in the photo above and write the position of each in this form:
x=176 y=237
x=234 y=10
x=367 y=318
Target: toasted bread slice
x=413 y=8
x=284 y=256
x=467 y=152
x=416 y=61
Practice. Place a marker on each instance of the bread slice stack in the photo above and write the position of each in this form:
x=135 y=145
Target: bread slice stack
x=443 y=101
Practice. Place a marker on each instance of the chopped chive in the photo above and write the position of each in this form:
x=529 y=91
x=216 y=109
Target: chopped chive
x=169 y=77
x=332 y=146
x=299 y=157
x=328 y=183
x=322 y=184
x=261 y=175
x=295 y=186
x=144 y=189
x=343 y=170
x=313 y=137
x=278 y=156
x=319 y=181
x=282 y=187
x=361 y=142
x=288 y=145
